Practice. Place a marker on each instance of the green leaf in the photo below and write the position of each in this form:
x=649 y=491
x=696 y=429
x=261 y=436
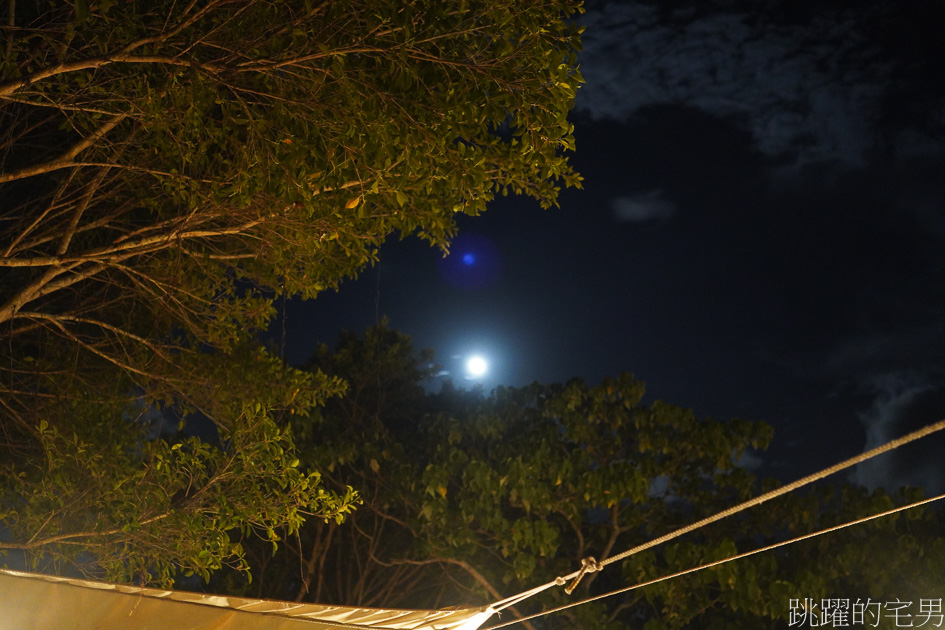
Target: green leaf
x=81 y=10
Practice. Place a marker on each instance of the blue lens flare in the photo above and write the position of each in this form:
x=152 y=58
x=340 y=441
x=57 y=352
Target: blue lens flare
x=474 y=264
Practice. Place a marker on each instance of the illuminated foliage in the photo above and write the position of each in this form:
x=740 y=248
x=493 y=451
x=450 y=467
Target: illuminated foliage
x=472 y=498
x=168 y=170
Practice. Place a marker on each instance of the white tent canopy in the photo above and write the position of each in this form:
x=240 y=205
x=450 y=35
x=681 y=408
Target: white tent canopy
x=31 y=601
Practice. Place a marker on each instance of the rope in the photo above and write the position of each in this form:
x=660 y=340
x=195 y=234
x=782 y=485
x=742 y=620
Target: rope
x=826 y=472
x=511 y=601
x=717 y=562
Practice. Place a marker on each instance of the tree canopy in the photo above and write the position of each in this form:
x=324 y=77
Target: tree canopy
x=470 y=498
x=167 y=169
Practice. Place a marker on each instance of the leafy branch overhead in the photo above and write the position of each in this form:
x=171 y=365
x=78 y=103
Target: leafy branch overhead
x=167 y=169
x=275 y=143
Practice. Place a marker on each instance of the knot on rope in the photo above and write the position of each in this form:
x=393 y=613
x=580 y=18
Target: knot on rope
x=588 y=565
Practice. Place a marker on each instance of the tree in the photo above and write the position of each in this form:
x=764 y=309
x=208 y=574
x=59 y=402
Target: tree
x=169 y=169
x=471 y=498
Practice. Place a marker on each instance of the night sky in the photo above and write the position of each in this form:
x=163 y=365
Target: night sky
x=761 y=233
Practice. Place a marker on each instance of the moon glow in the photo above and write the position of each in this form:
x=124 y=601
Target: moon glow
x=476 y=366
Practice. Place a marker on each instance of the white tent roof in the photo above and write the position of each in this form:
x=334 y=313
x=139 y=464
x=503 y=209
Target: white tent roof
x=31 y=601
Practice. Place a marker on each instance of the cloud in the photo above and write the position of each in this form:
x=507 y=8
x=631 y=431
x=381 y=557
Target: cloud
x=809 y=92
x=648 y=206
x=903 y=402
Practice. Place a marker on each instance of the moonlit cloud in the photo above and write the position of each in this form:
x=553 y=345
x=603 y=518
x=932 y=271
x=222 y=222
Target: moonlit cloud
x=648 y=206
x=824 y=91
x=808 y=93
x=903 y=403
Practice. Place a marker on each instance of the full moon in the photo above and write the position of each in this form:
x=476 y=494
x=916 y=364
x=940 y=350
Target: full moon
x=476 y=366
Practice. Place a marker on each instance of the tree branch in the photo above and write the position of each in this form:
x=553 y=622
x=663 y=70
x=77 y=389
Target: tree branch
x=65 y=160
x=11 y=87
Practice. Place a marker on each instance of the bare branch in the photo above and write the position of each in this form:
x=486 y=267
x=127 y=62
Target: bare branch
x=122 y=56
x=65 y=160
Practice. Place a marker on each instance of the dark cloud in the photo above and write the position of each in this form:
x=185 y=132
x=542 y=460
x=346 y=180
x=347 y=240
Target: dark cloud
x=810 y=91
x=831 y=273
x=640 y=207
x=904 y=402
